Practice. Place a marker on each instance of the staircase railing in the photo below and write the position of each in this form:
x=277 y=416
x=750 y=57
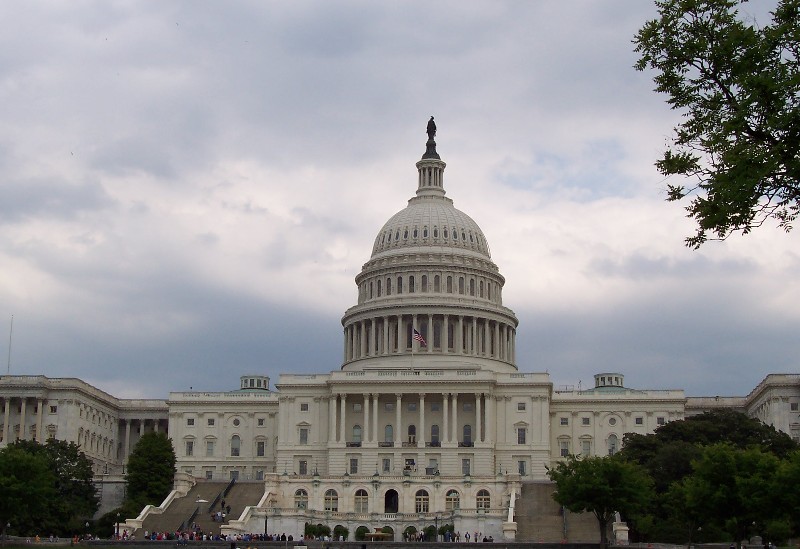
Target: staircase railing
x=185 y=524
x=228 y=488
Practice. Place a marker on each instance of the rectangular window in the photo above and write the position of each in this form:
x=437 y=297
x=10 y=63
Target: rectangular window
x=639 y=421
x=353 y=466
x=435 y=407
x=303 y=436
x=521 y=435
x=465 y=466
x=564 y=421
x=189 y=421
x=260 y=447
x=189 y=447
x=357 y=407
x=586 y=447
x=209 y=474
x=792 y=406
x=54 y=409
x=304 y=406
x=260 y=475
x=660 y=420
x=211 y=422
x=412 y=406
x=585 y=420
x=520 y=406
x=209 y=447
x=521 y=467
x=261 y=422
x=302 y=467
x=387 y=465
x=389 y=406
x=467 y=406
x=564 y=448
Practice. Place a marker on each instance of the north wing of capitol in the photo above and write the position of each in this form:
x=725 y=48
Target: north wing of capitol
x=428 y=418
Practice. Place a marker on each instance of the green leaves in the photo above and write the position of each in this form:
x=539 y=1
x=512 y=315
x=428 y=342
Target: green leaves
x=151 y=469
x=738 y=86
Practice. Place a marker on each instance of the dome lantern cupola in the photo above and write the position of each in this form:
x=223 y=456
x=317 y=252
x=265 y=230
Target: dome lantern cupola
x=431 y=167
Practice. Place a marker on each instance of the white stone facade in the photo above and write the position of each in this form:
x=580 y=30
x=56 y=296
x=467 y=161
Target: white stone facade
x=427 y=418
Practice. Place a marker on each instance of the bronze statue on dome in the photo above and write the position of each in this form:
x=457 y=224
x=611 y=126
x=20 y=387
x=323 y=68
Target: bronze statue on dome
x=431 y=129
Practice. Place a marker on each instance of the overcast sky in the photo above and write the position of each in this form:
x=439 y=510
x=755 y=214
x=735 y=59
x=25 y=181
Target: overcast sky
x=188 y=190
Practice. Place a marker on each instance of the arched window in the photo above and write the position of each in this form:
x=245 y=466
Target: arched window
x=357 y=433
x=331 y=501
x=412 y=434
x=484 y=500
x=361 y=501
x=451 y=500
x=399 y=284
x=301 y=499
x=415 y=232
x=480 y=287
x=435 y=232
x=421 y=501
x=434 y=435
x=388 y=434
x=388 y=286
x=449 y=284
x=411 y=288
x=436 y=284
x=472 y=287
x=455 y=233
x=424 y=232
x=236 y=444
x=612 y=444
x=468 y=434
x=424 y=283
x=379 y=288
x=461 y=285
x=444 y=233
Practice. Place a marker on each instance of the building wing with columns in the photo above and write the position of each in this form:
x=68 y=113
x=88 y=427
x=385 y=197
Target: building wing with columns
x=427 y=417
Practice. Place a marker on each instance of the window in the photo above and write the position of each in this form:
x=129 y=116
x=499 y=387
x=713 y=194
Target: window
x=260 y=448
x=412 y=406
x=388 y=406
x=521 y=467
x=465 y=465
x=357 y=433
x=399 y=284
x=331 y=501
x=564 y=421
x=235 y=445
x=388 y=434
x=451 y=500
x=639 y=421
x=424 y=287
x=585 y=421
x=260 y=474
x=468 y=434
x=304 y=406
x=411 y=288
x=563 y=446
x=353 y=466
x=435 y=407
x=209 y=474
x=612 y=421
x=302 y=467
x=209 y=447
x=612 y=444
x=412 y=434
x=434 y=435
x=483 y=501
x=190 y=421
x=792 y=407
x=356 y=406
x=211 y=422
x=520 y=406
x=586 y=447
x=54 y=409
x=421 y=501
x=361 y=501
x=521 y=435
x=189 y=448
x=660 y=420
x=386 y=465
x=303 y=435
x=301 y=499
x=467 y=407
x=261 y=422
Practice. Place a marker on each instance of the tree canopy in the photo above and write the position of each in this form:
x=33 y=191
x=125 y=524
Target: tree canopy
x=27 y=485
x=151 y=470
x=737 y=83
x=603 y=486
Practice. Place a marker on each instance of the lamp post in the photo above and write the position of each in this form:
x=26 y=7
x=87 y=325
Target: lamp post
x=87 y=529
x=117 y=533
x=436 y=527
x=8 y=526
x=266 y=530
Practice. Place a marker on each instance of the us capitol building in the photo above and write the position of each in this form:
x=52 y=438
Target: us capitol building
x=428 y=416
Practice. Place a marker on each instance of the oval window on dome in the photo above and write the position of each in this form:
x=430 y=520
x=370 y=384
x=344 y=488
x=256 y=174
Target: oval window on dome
x=470 y=238
x=397 y=235
x=455 y=233
x=463 y=236
x=435 y=232
x=405 y=234
x=389 y=236
x=425 y=232
x=415 y=232
x=444 y=233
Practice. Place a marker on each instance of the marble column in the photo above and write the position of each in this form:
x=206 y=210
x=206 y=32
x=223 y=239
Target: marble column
x=332 y=418
x=421 y=438
x=445 y=334
x=6 y=419
x=385 y=335
x=455 y=417
x=342 y=411
x=365 y=431
x=478 y=430
x=445 y=436
x=460 y=336
x=40 y=406
x=373 y=345
x=127 y=438
x=398 y=408
x=375 y=417
x=22 y=426
x=430 y=336
x=490 y=421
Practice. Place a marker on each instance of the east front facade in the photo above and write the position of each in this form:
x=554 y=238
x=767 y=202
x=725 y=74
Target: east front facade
x=426 y=418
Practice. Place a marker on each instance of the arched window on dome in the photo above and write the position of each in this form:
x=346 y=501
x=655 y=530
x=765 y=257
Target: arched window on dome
x=444 y=233
x=480 y=287
x=388 y=237
x=416 y=232
x=436 y=284
x=371 y=288
x=424 y=232
x=397 y=234
x=380 y=292
x=437 y=334
x=435 y=232
x=424 y=287
x=489 y=291
x=472 y=287
x=388 y=286
x=411 y=288
x=471 y=238
x=405 y=234
x=463 y=236
x=449 y=284
x=461 y=285
x=455 y=233
x=399 y=284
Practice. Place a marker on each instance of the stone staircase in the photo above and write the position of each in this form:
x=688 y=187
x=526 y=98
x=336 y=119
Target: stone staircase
x=540 y=519
x=181 y=510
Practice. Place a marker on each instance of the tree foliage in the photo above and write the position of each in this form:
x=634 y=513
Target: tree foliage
x=70 y=472
x=738 y=86
x=27 y=485
x=151 y=470
x=603 y=486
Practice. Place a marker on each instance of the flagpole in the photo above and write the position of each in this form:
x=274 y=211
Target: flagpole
x=10 y=331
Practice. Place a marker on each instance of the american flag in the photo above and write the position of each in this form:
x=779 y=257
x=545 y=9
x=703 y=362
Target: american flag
x=418 y=337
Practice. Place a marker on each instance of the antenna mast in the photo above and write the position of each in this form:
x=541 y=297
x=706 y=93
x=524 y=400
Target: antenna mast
x=10 y=331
